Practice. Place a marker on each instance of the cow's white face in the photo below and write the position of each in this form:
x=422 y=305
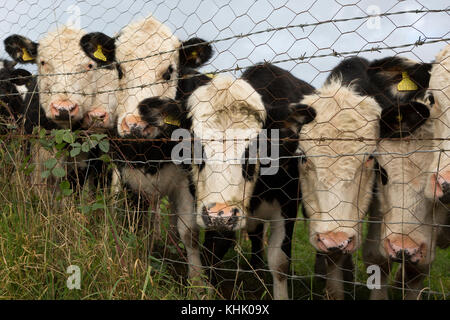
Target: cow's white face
x=227 y=114
x=153 y=50
x=66 y=90
x=407 y=214
x=438 y=184
x=337 y=175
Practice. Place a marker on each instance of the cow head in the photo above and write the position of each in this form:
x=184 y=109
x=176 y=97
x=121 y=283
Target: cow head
x=151 y=60
x=406 y=232
x=336 y=170
x=14 y=84
x=227 y=116
x=68 y=78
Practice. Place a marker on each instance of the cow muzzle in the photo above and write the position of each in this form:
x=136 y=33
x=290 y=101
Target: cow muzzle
x=97 y=118
x=64 y=110
x=403 y=248
x=221 y=216
x=134 y=125
x=335 y=242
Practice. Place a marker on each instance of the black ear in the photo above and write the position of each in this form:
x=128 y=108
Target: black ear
x=195 y=52
x=21 y=49
x=401 y=74
x=20 y=77
x=99 y=47
x=299 y=115
x=159 y=112
x=401 y=121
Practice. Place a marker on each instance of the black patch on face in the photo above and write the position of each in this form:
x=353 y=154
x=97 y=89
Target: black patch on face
x=248 y=169
x=168 y=74
x=382 y=172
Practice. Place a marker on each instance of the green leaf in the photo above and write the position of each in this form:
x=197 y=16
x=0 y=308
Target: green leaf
x=74 y=152
x=85 y=147
x=59 y=172
x=50 y=163
x=59 y=136
x=104 y=145
x=69 y=137
x=45 y=174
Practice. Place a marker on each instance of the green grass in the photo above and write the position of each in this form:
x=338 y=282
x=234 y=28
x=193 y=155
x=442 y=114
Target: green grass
x=122 y=257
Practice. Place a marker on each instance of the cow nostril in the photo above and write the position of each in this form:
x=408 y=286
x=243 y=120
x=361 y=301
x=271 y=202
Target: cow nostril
x=220 y=213
x=234 y=211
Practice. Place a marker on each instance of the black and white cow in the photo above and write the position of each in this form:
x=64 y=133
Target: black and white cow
x=410 y=217
x=68 y=92
x=235 y=186
x=354 y=107
x=155 y=65
x=14 y=85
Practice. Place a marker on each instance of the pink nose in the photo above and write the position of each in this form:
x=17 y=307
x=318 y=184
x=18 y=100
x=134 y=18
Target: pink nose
x=132 y=123
x=63 y=109
x=401 y=247
x=97 y=118
x=335 y=241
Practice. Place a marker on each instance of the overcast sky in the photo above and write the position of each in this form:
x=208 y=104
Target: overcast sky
x=218 y=19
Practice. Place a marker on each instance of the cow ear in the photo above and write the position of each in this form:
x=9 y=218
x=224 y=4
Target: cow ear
x=195 y=52
x=20 y=77
x=21 y=49
x=99 y=47
x=401 y=74
x=162 y=112
x=299 y=115
x=401 y=121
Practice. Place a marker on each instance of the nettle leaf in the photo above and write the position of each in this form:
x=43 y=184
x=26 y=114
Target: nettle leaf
x=50 y=163
x=98 y=137
x=104 y=145
x=59 y=134
x=65 y=188
x=85 y=147
x=45 y=174
x=59 y=172
x=75 y=151
x=69 y=137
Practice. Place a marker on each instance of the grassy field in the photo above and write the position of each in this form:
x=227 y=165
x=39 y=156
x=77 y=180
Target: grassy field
x=122 y=257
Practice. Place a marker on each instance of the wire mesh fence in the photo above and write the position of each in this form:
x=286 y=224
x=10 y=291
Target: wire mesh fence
x=245 y=150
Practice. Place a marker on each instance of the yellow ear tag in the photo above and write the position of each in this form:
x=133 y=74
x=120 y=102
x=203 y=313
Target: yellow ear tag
x=406 y=84
x=194 y=54
x=99 y=53
x=26 y=56
x=172 y=121
x=399 y=118
x=210 y=75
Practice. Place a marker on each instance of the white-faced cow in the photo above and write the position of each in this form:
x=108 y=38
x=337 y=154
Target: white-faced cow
x=238 y=179
x=402 y=219
x=337 y=171
x=155 y=64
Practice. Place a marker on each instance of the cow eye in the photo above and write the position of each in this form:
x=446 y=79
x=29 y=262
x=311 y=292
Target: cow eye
x=42 y=63
x=90 y=65
x=168 y=74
